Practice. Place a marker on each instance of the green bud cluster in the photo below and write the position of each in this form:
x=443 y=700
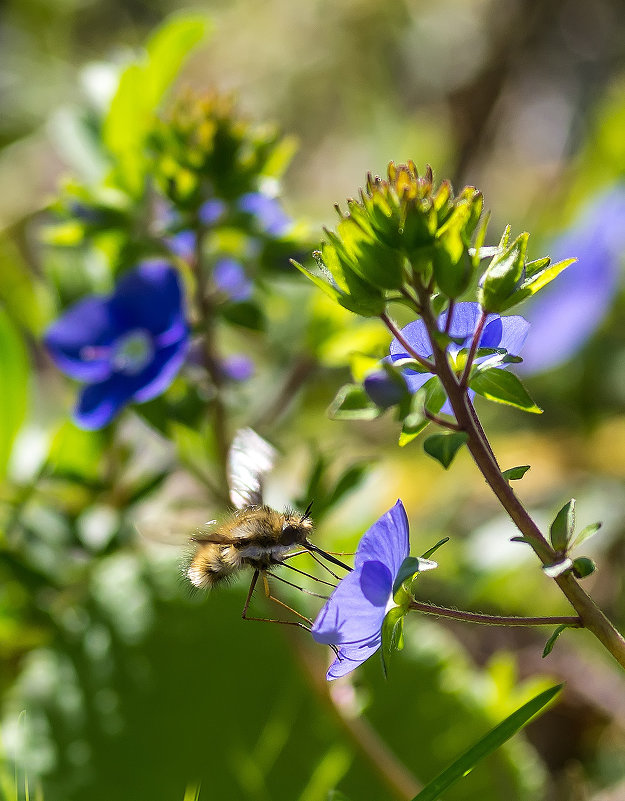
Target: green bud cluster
x=399 y=227
x=202 y=149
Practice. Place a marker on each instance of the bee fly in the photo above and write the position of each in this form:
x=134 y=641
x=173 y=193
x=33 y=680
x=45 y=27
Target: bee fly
x=256 y=536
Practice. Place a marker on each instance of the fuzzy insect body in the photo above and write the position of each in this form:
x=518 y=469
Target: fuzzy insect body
x=258 y=537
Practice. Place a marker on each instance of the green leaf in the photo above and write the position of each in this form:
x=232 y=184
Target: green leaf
x=503 y=274
x=486 y=746
x=552 y=640
x=353 y=403
x=141 y=89
x=583 y=566
x=585 y=534
x=392 y=634
x=521 y=539
x=245 y=314
x=318 y=281
x=536 y=282
x=515 y=473
x=14 y=373
x=443 y=447
x=410 y=569
x=563 y=527
x=434 y=548
x=504 y=387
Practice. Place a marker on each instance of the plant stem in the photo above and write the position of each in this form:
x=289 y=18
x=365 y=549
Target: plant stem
x=493 y=620
x=464 y=381
x=392 y=327
x=211 y=361
x=591 y=616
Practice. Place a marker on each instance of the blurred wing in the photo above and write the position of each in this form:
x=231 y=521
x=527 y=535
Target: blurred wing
x=172 y=527
x=249 y=459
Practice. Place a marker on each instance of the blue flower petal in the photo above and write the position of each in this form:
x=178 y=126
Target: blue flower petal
x=148 y=297
x=211 y=210
x=99 y=403
x=78 y=341
x=350 y=657
x=506 y=332
x=349 y=616
x=386 y=541
x=464 y=320
x=268 y=212
x=161 y=371
x=569 y=310
x=237 y=367
x=182 y=244
x=416 y=335
x=230 y=278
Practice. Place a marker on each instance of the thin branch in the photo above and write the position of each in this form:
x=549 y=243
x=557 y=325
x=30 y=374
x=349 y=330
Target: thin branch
x=477 y=335
x=392 y=327
x=493 y=620
x=440 y=421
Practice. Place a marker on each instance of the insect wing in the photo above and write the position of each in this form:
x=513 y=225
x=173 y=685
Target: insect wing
x=249 y=459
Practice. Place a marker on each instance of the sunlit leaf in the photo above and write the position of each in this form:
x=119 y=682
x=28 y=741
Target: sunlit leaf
x=487 y=745
x=14 y=372
x=504 y=387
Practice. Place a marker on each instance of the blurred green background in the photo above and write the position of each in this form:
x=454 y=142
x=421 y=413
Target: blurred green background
x=115 y=682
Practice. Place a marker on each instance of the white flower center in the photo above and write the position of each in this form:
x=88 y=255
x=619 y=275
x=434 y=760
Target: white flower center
x=390 y=604
x=132 y=352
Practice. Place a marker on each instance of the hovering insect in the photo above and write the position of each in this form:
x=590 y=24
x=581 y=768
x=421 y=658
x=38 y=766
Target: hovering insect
x=256 y=536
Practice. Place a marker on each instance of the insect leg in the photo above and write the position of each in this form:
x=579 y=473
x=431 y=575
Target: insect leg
x=281 y=603
x=297 y=587
x=309 y=575
x=245 y=616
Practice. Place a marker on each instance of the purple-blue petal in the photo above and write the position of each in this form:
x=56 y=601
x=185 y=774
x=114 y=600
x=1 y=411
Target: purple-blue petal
x=99 y=403
x=161 y=371
x=148 y=297
x=464 y=320
x=78 y=341
x=211 y=211
x=237 y=367
x=416 y=335
x=568 y=311
x=268 y=212
x=386 y=541
x=349 y=616
x=505 y=332
x=230 y=278
x=382 y=390
x=350 y=657
x=182 y=244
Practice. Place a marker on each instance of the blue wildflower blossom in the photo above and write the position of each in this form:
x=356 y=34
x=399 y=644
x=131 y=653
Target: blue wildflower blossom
x=508 y=333
x=570 y=310
x=127 y=346
x=237 y=367
x=353 y=615
x=268 y=212
x=230 y=278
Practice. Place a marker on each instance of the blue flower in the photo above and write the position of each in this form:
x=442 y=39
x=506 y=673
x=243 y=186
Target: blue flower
x=230 y=278
x=237 y=367
x=126 y=347
x=499 y=332
x=352 y=617
x=268 y=212
x=569 y=311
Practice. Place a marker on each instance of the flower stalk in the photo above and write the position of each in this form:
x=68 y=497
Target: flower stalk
x=589 y=613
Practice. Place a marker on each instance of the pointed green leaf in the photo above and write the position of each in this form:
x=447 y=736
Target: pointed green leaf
x=563 y=527
x=552 y=640
x=502 y=386
x=410 y=568
x=515 y=473
x=434 y=548
x=318 y=281
x=443 y=447
x=532 y=285
x=585 y=534
x=503 y=275
x=353 y=403
x=487 y=745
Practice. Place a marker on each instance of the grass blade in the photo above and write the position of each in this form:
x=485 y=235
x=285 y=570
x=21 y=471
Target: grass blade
x=491 y=742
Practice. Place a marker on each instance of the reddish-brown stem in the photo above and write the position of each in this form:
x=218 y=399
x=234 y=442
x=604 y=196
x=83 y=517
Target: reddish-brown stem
x=464 y=381
x=493 y=620
x=392 y=327
x=591 y=616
